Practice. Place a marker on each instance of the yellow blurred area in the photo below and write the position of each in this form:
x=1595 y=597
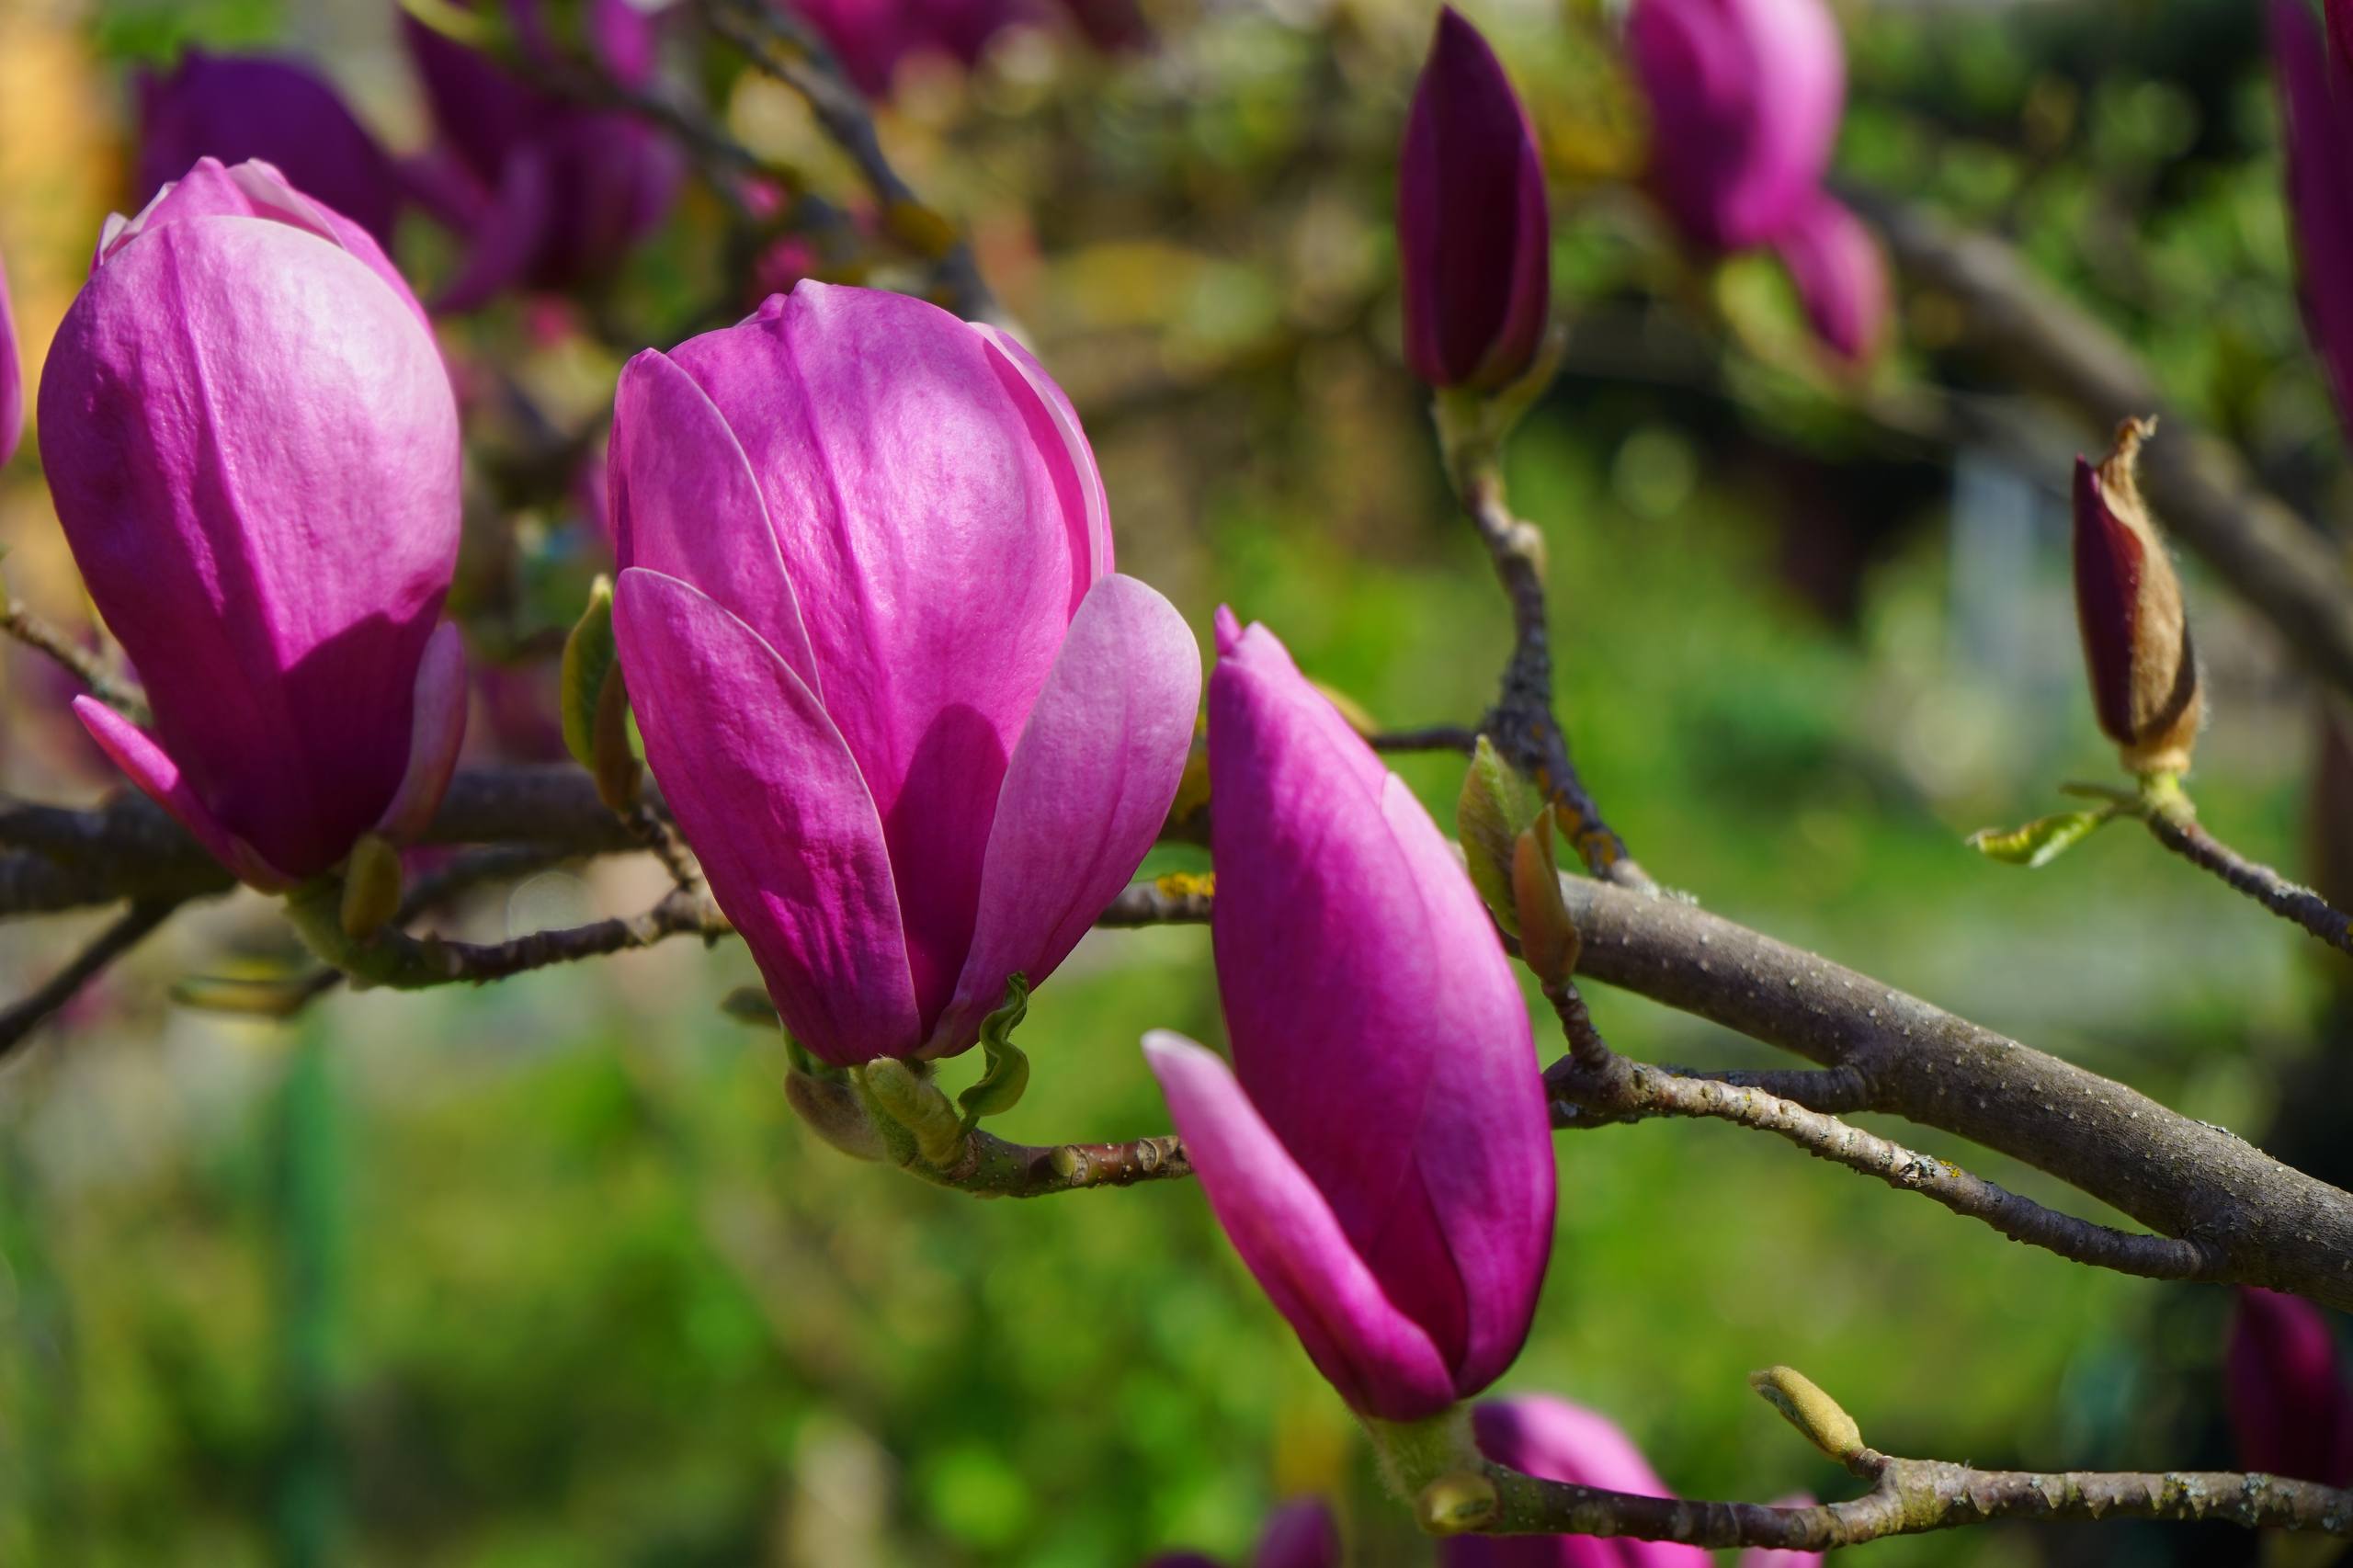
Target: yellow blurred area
x=60 y=167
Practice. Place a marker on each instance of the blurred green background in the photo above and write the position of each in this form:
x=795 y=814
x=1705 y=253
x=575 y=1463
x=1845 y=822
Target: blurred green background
x=546 y=1274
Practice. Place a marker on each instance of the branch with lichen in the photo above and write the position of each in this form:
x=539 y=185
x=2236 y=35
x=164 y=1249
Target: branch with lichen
x=1908 y=1496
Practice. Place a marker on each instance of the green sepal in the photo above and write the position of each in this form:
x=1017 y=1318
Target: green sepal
x=371 y=887
x=1548 y=938
x=595 y=703
x=2041 y=840
x=1498 y=803
x=999 y=1086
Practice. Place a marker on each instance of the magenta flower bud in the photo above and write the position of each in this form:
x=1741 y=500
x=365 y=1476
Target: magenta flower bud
x=916 y=730
x=237 y=108
x=2291 y=1410
x=1473 y=237
x=1840 y=276
x=2316 y=123
x=1380 y=1152
x=253 y=447
x=549 y=196
x=12 y=385
x=2128 y=608
x=1554 y=1440
x=1302 y=1534
x=1745 y=97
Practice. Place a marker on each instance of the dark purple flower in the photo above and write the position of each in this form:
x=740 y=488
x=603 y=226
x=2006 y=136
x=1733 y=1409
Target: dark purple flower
x=549 y=196
x=2127 y=607
x=236 y=107
x=2289 y=1408
x=2317 y=122
x=1474 y=236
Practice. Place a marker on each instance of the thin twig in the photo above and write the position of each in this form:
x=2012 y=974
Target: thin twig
x=1430 y=737
x=1595 y=1087
x=779 y=48
x=992 y=1167
x=2186 y=837
x=1180 y=898
x=128 y=931
x=399 y=961
x=17 y=620
x=1523 y=725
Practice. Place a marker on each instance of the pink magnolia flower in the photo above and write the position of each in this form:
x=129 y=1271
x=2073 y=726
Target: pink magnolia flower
x=916 y=727
x=1302 y=1534
x=1745 y=97
x=2291 y=1409
x=1554 y=1440
x=254 y=449
x=1378 y=1153
x=1841 y=277
x=236 y=107
x=550 y=196
x=1474 y=233
x=2316 y=123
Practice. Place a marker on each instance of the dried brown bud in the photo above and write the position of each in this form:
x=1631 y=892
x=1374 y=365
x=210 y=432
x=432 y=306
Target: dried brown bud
x=2128 y=604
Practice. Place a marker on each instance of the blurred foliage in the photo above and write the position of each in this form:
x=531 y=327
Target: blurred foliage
x=545 y=1274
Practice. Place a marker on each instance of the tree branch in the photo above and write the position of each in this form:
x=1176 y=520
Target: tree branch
x=2186 y=837
x=17 y=621
x=2258 y=1220
x=991 y=1168
x=1523 y=725
x=1911 y=1496
x=1595 y=1087
x=2253 y=541
x=136 y=924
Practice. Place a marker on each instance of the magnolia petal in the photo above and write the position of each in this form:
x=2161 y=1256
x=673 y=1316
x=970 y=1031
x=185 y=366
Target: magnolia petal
x=159 y=777
x=437 y=729
x=768 y=796
x=1380 y=1359
x=1085 y=795
x=685 y=504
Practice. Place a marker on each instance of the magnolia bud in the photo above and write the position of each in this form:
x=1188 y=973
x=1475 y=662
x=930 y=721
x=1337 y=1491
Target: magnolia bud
x=371 y=886
x=1803 y=1403
x=2128 y=604
x=915 y=1103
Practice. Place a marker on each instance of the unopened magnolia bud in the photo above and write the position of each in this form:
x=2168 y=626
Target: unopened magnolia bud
x=1497 y=804
x=834 y=1113
x=915 y=1103
x=1548 y=937
x=371 y=887
x=2128 y=605
x=1803 y=1404
x=1461 y=1501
